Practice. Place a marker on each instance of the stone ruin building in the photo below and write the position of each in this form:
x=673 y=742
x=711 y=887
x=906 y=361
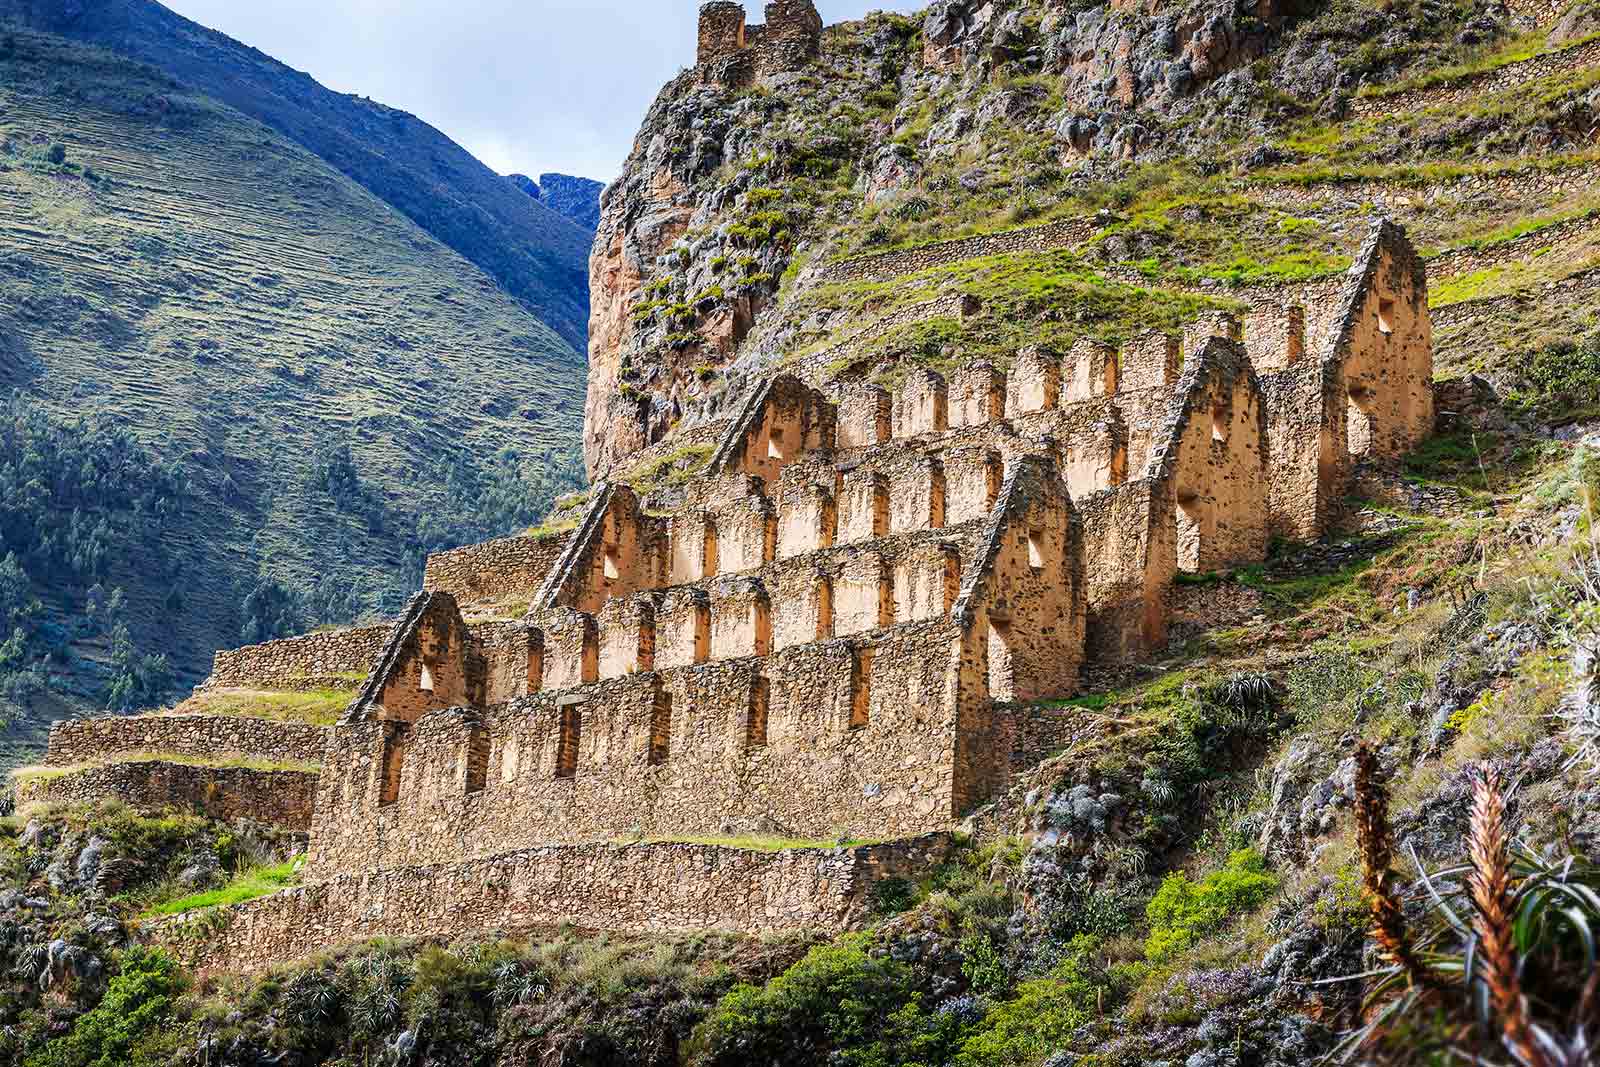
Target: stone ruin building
x=840 y=631
x=734 y=54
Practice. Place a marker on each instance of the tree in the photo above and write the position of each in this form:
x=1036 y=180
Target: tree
x=270 y=611
x=16 y=592
x=137 y=680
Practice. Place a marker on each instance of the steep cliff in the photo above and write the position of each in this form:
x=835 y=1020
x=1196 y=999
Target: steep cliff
x=1151 y=131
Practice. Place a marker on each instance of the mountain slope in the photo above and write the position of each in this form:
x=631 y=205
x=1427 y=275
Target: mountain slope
x=536 y=254
x=248 y=311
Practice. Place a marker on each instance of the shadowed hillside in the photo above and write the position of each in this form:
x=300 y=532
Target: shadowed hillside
x=334 y=382
x=533 y=252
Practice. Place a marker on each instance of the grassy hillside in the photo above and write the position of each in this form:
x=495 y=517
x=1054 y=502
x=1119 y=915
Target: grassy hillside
x=335 y=382
x=534 y=253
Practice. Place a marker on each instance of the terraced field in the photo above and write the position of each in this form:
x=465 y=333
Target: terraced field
x=240 y=305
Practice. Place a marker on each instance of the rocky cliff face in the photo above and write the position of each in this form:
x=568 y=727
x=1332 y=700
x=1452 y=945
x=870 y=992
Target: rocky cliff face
x=908 y=128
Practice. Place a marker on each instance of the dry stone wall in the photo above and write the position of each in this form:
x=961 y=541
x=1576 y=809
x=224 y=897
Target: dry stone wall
x=228 y=794
x=1069 y=233
x=1471 y=89
x=507 y=569
x=1524 y=184
x=1576 y=287
x=655 y=888
x=337 y=659
x=74 y=742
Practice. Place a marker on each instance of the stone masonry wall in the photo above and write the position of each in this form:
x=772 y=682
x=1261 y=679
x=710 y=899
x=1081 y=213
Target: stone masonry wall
x=510 y=568
x=337 y=659
x=833 y=736
x=652 y=888
x=282 y=798
x=1476 y=87
x=1069 y=233
x=77 y=741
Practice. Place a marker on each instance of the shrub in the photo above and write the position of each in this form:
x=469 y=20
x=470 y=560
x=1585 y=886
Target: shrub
x=1041 y=1018
x=839 y=1004
x=1182 y=911
x=56 y=154
x=983 y=965
x=130 y=1025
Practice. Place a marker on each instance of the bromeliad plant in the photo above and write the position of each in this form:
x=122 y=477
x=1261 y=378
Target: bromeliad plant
x=1506 y=958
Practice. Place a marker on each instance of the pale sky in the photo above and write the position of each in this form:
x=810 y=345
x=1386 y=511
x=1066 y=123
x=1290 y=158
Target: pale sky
x=528 y=86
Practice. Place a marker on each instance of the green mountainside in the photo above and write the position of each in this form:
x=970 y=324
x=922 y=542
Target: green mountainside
x=1349 y=815
x=334 y=384
x=533 y=252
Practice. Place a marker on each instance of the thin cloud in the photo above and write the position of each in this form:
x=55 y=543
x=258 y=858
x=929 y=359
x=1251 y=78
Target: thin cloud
x=551 y=85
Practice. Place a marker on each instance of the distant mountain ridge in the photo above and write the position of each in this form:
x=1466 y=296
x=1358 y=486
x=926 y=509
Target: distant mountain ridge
x=531 y=248
x=576 y=198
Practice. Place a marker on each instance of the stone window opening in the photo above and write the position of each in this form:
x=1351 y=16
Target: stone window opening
x=708 y=549
x=477 y=760
x=1386 y=317
x=861 y=688
x=567 y=742
x=755 y=732
x=535 y=664
x=612 y=564
x=1002 y=669
x=425 y=682
x=660 y=729
x=1036 y=550
x=1190 y=523
x=1219 y=422
x=1358 y=427
x=775 y=445
x=390 y=763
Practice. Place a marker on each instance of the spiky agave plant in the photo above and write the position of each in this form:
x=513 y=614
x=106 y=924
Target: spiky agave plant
x=1509 y=949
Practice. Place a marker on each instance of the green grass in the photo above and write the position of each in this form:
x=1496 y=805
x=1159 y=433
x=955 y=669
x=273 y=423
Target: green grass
x=318 y=708
x=246 y=885
x=1501 y=55
x=247 y=763
x=1049 y=298
x=1089 y=702
x=750 y=843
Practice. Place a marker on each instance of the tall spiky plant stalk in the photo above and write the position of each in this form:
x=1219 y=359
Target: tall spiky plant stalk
x=1493 y=900
x=1375 y=836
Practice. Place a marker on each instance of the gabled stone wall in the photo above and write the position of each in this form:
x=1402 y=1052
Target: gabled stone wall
x=848 y=742
x=508 y=569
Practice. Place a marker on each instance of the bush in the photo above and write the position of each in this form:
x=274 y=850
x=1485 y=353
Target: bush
x=1041 y=1018
x=840 y=1005
x=1183 y=911
x=56 y=155
x=131 y=1024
